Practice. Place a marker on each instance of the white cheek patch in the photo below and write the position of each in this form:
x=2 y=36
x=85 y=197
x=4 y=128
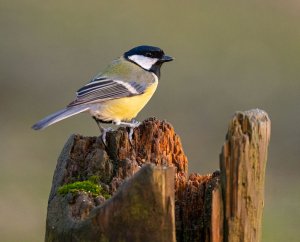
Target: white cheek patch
x=143 y=61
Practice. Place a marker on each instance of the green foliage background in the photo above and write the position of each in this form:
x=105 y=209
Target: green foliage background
x=230 y=55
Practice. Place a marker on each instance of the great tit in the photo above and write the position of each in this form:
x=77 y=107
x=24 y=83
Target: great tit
x=117 y=94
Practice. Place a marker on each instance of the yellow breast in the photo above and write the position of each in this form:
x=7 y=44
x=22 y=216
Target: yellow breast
x=126 y=108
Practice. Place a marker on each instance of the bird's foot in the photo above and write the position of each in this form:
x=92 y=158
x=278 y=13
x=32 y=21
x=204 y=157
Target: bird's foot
x=133 y=124
x=130 y=134
x=103 y=134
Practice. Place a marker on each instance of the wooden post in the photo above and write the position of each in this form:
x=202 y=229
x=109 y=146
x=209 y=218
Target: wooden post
x=243 y=162
x=112 y=193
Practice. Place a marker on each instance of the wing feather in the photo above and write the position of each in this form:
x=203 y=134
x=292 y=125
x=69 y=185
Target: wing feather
x=103 y=89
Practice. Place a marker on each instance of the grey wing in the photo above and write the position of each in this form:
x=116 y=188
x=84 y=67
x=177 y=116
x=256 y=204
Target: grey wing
x=103 y=89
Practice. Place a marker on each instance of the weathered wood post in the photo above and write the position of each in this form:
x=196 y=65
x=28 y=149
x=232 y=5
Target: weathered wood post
x=243 y=162
x=141 y=191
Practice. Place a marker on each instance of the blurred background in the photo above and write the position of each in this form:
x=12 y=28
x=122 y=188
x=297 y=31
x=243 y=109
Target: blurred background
x=230 y=55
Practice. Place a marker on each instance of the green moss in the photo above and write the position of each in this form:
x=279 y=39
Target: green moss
x=95 y=179
x=106 y=195
x=89 y=186
x=86 y=186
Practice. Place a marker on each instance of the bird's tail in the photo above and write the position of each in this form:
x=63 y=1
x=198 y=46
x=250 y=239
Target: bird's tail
x=58 y=116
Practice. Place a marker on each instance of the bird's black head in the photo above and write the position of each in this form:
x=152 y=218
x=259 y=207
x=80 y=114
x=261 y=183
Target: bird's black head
x=149 y=58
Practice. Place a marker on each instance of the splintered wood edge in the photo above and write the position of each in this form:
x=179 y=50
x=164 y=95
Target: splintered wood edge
x=255 y=117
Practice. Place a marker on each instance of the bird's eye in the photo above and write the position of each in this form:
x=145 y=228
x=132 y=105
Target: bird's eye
x=149 y=55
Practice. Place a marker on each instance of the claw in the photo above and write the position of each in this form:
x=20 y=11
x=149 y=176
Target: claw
x=135 y=123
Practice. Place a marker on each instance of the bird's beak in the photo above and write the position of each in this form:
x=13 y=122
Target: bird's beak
x=166 y=58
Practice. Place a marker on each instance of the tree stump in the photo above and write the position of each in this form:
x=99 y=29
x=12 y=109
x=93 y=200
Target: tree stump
x=127 y=192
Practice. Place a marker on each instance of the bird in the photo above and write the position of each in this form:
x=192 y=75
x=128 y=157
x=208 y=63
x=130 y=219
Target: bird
x=117 y=94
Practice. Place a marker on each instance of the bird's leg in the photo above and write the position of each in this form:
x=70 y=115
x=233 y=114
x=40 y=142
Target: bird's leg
x=102 y=130
x=133 y=124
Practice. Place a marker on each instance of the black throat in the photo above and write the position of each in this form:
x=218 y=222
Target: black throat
x=156 y=68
